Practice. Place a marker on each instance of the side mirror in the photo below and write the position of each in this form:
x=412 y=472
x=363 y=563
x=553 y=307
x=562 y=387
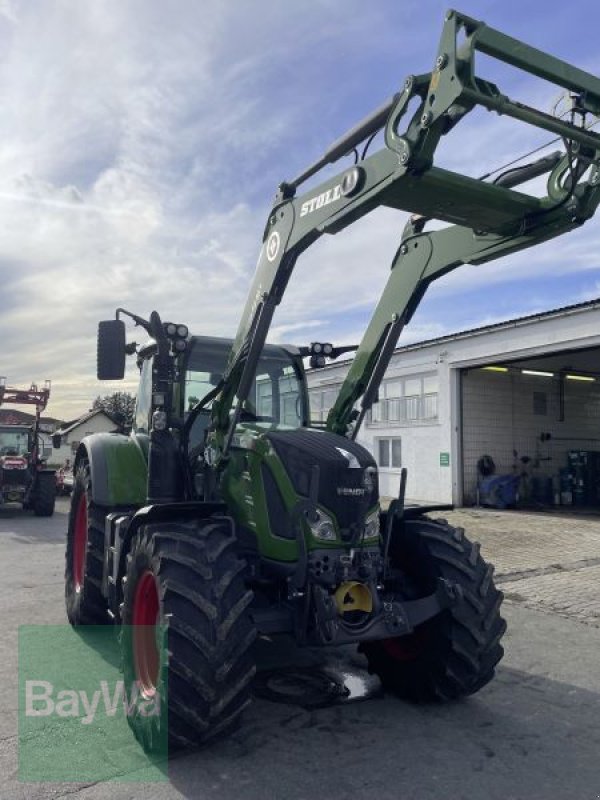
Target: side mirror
x=56 y=440
x=111 y=350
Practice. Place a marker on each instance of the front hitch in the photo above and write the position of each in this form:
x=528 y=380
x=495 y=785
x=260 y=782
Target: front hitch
x=391 y=616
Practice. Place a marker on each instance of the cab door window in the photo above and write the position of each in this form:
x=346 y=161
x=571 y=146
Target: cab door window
x=143 y=401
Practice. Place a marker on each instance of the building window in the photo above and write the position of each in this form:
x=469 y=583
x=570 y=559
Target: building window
x=389 y=453
x=264 y=396
x=406 y=400
x=322 y=401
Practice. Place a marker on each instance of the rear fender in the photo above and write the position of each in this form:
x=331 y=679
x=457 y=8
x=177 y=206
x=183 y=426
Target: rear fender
x=174 y=512
x=118 y=469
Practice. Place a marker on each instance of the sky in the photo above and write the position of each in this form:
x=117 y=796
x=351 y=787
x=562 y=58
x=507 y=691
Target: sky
x=142 y=143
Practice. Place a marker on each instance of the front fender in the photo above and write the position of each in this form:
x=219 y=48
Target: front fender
x=118 y=469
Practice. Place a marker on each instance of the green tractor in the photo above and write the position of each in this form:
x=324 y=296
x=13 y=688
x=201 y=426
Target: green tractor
x=227 y=513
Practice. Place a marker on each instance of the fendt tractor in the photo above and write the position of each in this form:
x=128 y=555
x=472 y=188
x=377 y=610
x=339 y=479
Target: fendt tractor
x=24 y=475
x=227 y=513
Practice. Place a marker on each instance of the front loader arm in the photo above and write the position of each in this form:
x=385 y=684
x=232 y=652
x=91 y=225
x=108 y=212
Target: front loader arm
x=487 y=220
x=420 y=260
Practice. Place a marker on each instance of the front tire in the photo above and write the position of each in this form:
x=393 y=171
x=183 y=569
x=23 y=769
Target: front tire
x=45 y=495
x=186 y=630
x=85 y=555
x=455 y=653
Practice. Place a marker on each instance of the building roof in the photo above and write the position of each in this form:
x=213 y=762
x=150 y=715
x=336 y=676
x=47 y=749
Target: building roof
x=69 y=426
x=12 y=416
x=575 y=308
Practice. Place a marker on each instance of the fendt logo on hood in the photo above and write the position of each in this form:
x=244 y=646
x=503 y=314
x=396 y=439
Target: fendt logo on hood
x=351 y=491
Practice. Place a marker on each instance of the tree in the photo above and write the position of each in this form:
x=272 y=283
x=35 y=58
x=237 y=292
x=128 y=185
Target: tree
x=120 y=406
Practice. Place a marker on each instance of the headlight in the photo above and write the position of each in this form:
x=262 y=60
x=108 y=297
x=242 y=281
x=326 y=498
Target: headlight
x=322 y=527
x=372 y=528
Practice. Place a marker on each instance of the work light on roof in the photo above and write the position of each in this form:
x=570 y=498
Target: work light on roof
x=176 y=331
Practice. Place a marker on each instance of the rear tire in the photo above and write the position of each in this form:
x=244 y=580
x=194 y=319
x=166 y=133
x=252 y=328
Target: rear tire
x=84 y=555
x=455 y=653
x=186 y=581
x=44 y=495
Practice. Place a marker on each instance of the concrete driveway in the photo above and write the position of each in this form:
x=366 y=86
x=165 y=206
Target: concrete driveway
x=534 y=732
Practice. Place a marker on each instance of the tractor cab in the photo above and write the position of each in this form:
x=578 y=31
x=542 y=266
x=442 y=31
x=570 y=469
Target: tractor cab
x=277 y=398
x=15 y=440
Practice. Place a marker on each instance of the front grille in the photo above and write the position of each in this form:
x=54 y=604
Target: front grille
x=14 y=477
x=301 y=449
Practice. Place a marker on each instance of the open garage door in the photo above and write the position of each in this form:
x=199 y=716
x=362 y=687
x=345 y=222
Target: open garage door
x=538 y=421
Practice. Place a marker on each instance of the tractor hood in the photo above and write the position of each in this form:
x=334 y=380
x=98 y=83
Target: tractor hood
x=348 y=484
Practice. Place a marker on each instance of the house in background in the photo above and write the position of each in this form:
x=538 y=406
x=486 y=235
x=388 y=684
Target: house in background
x=71 y=433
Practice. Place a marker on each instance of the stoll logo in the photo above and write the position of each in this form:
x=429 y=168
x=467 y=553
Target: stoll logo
x=41 y=700
x=350 y=183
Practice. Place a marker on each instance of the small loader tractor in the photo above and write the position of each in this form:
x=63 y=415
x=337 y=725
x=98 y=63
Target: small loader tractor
x=24 y=476
x=228 y=514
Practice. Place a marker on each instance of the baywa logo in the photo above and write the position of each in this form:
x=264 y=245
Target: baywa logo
x=77 y=708
x=42 y=699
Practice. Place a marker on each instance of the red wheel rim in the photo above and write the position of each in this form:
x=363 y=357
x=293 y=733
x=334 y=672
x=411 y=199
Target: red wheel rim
x=406 y=648
x=146 y=657
x=80 y=543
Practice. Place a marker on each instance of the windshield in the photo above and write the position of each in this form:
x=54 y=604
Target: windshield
x=14 y=443
x=277 y=393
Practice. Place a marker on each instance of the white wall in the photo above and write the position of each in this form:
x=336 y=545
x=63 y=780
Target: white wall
x=99 y=423
x=422 y=441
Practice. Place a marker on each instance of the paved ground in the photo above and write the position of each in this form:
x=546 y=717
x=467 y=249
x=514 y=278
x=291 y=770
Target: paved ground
x=534 y=732
x=545 y=561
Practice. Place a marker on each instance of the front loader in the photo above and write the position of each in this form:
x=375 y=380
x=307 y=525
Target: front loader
x=227 y=513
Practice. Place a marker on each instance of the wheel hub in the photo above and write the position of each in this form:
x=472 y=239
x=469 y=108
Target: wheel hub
x=80 y=543
x=146 y=657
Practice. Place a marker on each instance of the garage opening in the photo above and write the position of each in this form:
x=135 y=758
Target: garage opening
x=531 y=432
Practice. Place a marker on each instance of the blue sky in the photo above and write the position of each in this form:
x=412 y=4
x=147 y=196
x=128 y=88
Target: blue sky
x=142 y=142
